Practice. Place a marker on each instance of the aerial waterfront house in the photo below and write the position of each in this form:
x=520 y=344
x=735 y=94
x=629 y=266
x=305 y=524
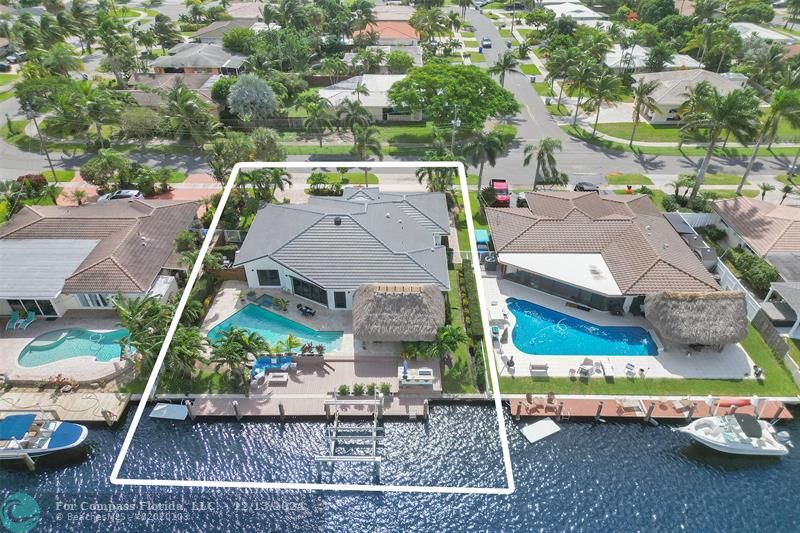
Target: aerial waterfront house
x=325 y=250
x=604 y=252
x=56 y=259
x=198 y=58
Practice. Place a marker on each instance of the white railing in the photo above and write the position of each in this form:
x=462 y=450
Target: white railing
x=730 y=282
x=697 y=220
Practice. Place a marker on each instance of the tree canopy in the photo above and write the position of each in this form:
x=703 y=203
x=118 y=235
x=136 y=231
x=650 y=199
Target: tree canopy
x=441 y=91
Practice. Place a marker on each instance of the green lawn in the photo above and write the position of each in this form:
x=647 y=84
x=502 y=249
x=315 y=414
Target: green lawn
x=628 y=179
x=558 y=110
x=61 y=175
x=794 y=349
x=778 y=382
x=646 y=132
x=478 y=219
x=6 y=78
x=506 y=33
x=723 y=179
x=471 y=44
x=356 y=178
x=524 y=32
x=457 y=379
x=176 y=176
x=530 y=69
x=750 y=193
x=786 y=180
x=467 y=34
x=543 y=89
x=402 y=133
x=475 y=57
x=6 y=95
x=204 y=382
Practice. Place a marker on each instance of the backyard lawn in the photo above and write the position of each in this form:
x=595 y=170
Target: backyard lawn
x=628 y=179
x=778 y=382
x=457 y=379
x=478 y=218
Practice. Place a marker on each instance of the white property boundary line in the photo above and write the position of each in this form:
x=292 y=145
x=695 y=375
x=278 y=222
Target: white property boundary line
x=115 y=479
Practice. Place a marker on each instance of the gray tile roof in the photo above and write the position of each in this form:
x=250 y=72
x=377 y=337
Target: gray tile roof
x=642 y=251
x=379 y=238
x=198 y=55
x=131 y=240
x=36 y=268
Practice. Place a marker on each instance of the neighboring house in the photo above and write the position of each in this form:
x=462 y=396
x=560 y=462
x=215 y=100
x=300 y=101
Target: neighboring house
x=198 y=58
x=376 y=102
x=212 y=34
x=634 y=59
x=327 y=249
x=604 y=252
x=575 y=11
x=61 y=258
x=414 y=51
x=673 y=86
x=245 y=10
x=746 y=29
x=768 y=230
x=147 y=89
x=393 y=13
x=393 y=33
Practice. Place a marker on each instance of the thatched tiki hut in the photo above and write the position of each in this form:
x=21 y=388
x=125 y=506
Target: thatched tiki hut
x=392 y=312
x=707 y=319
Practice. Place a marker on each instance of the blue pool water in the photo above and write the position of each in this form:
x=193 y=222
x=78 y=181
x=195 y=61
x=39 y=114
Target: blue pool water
x=542 y=331
x=274 y=328
x=76 y=342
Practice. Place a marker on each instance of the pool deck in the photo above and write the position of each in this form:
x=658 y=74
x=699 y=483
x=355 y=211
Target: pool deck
x=84 y=369
x=232 y=296
x=80 y=406
x=731 y=363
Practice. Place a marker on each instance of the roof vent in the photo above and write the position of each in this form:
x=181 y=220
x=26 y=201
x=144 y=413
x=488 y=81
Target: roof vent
x=388 y=215
x=337 y=221
x=666 y=246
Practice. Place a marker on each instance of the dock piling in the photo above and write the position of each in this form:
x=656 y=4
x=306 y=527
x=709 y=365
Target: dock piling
x=28 y=462
x=425 y=409
x=519 y=412
x=690 y=413
x=236 y=412
x=281 y=411
x=599 y=410
x=560 y=410
x=649 y=416
x=777 y=415
x=188 y=405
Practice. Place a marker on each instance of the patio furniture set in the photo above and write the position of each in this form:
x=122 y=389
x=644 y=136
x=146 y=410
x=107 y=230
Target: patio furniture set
x=16 y=322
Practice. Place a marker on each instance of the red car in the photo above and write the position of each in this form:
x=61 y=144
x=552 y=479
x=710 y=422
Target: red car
x=501 y=191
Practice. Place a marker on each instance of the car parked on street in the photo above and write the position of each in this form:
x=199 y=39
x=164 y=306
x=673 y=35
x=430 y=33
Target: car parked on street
x=486 y=42
x=502 y=193
x=122 y=194
x=585 y=186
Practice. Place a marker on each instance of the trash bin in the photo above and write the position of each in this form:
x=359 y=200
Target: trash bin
x=480 y=49
x=508 y=44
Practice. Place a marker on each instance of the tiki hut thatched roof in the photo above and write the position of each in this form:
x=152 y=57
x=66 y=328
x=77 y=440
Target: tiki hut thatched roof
x=393 y=312
x=711 y=319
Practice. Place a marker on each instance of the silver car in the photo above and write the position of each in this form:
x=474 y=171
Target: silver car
x=122 y=194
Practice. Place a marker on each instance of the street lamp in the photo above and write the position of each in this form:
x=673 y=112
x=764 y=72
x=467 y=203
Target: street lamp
x=31 y=115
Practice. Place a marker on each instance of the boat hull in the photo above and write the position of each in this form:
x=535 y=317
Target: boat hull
x=17 y=453
x=738 y=451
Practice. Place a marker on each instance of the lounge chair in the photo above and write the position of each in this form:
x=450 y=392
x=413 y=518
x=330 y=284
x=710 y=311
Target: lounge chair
x=27 y=321
x=12 y=320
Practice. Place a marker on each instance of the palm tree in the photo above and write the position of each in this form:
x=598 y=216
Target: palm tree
x=78 y=196
x=454 y=21
x=278 y=178
x=605 y=89
x=559 y=64
x=333 y=66
x=361 y=90
x=429 y=23
x=464 y=4
x=765 y=187
x=60 y=59
x=737 y=112
x=319 y=119
x=185 y=350
x=484 y=148
x=544 y=152
x=507 y=62
x=351 y=113
x=233 y=349
x=784 y=105
x=643 y=101
x=366 y=141
x=786 y=190
x=188 y=116
x=100 y=106
x=448 y=338
x=579 y=75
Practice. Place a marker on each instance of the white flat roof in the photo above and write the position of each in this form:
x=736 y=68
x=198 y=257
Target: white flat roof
x=588 y=271
x=37 y=268
x=746 y=29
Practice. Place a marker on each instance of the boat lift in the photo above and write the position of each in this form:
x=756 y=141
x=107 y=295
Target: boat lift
x=350 y=433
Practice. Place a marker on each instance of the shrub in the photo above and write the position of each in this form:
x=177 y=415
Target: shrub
x=755 y=271
x=699 y=205
x=371 y=388
x=480 y=367
x=669 y=203
x=186 y=240
x=712 y=232
x=358 y=389
x=682 y=201
x=386 y=389
x=34 y=181
x=473 y=306
x=343 y=390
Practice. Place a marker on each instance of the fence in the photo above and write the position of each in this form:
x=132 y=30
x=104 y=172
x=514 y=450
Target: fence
x=697 y=220
x=730 y=282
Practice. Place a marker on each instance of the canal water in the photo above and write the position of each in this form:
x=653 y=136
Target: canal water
x=604 y=477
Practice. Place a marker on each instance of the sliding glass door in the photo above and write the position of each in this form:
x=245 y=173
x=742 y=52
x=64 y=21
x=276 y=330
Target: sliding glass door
x=37 y=307
x=310 y=291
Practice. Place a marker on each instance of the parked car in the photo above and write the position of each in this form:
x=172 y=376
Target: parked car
x=17 y=57
x=502 y=194
x=122 y=194
x=486 y=42
x=585 y=186
x=5 y=67
x=480 y=3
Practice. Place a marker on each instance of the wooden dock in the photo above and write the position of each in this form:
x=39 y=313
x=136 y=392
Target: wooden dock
x=80 y=406
x=624 y=408
x=294 y=406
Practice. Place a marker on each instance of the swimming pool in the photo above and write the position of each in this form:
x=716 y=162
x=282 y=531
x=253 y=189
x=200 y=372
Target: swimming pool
x=75 y=342
x=542 y=331
x=275 y=328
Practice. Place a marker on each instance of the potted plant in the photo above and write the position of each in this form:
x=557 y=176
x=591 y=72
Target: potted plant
x=307 y=349
x=320 y=348
x=386 y=389
x=371 y=388
x=358 y=389
x=343 y=390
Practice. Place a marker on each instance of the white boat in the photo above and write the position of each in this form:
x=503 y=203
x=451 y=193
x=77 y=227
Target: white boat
x=739 y=434
x=29 y=435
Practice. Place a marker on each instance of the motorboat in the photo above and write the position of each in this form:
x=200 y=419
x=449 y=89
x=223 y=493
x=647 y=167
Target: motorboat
x=739 y=434
x=32 y=436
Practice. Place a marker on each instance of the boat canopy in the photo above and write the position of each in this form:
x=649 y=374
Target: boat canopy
x=749 y=425
x=15 y=426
